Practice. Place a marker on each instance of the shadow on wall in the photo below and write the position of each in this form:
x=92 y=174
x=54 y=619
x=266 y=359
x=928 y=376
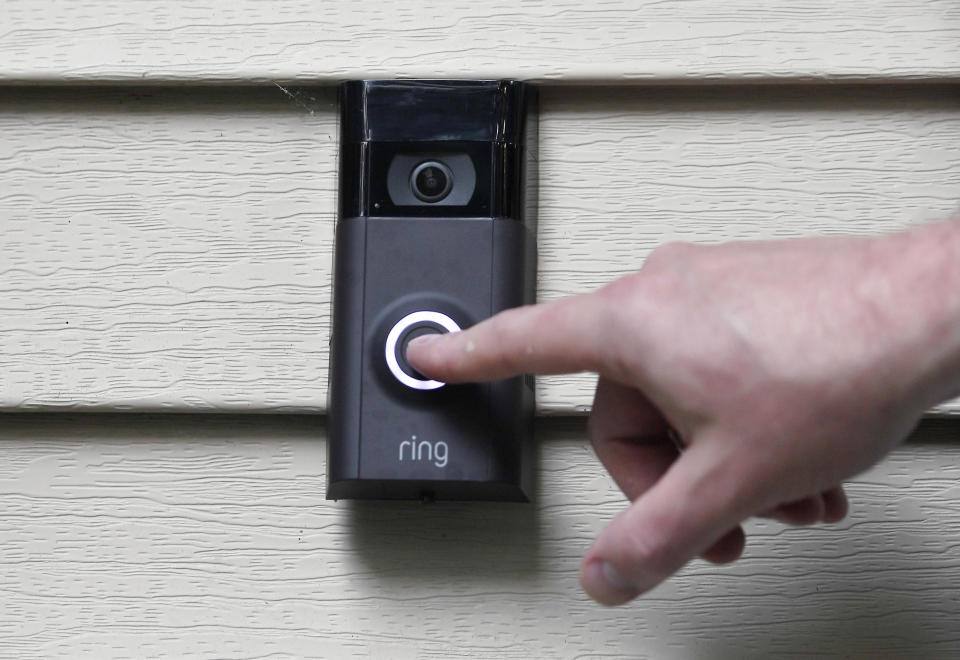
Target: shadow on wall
x=235 y=100
x=796 y=97
x=439 y=544
x=836 y=617
x=460 y=547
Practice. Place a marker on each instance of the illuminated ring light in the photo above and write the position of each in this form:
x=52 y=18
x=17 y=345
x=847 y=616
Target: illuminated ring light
x=397 y=331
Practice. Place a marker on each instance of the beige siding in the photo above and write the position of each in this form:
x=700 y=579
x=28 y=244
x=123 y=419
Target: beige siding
x=170 y=249
x=208 y=537
x=166 y=246
x=569 y=40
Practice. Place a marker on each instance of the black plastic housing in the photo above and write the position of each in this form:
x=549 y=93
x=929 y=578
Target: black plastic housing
x=467 y=260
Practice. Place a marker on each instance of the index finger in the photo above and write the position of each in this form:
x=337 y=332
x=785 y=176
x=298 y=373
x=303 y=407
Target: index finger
x=563 y=336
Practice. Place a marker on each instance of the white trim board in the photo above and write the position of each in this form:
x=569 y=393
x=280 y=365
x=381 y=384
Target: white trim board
x=170 y=249
x=142 y=41
x=190 y=536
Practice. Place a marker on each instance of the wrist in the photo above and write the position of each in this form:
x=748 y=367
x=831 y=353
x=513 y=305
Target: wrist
x=924 y=276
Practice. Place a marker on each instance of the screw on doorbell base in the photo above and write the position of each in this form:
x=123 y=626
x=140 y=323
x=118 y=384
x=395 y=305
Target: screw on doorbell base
x=402 y=333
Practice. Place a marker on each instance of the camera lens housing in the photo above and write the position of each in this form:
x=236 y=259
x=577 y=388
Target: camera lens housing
x=431 y=181
x=421 y=180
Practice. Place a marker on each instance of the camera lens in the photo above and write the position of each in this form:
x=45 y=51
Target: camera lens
x=431 y=181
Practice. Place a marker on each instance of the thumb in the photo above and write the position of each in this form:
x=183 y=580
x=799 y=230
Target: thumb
x=696 y=502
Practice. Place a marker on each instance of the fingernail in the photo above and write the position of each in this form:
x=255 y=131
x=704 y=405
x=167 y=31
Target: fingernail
x=614 y=579
x=423 y=341
x=606 y=586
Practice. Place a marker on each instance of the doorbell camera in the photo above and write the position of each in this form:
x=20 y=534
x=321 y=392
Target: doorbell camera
x=436 y=231
x=431 y=179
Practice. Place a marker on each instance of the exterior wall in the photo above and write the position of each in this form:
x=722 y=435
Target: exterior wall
x=170 y=249
x=621 y=41
x=208 y=537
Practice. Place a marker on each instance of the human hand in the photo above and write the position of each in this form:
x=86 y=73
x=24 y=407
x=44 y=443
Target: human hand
x=785 y=367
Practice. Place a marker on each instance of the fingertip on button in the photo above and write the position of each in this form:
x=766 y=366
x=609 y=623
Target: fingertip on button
x=406 y=339
x=423 y=340
x=415 y=327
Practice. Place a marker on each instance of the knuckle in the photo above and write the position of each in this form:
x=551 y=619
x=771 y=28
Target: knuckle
x=621 y=291
x=640 y=292
x=624 y=309
x=650 y=550
x=671 y=253
x=618 y=299
x=594 y=434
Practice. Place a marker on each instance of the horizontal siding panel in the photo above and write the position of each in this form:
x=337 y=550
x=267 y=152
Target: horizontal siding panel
x=248 y=41
x=170 y=249
x=185 y=536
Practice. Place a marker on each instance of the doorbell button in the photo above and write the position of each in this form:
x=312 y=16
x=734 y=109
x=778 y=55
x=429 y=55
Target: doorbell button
x=401 y=334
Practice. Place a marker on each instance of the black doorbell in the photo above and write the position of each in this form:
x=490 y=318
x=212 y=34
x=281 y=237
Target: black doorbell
x=436 y=231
